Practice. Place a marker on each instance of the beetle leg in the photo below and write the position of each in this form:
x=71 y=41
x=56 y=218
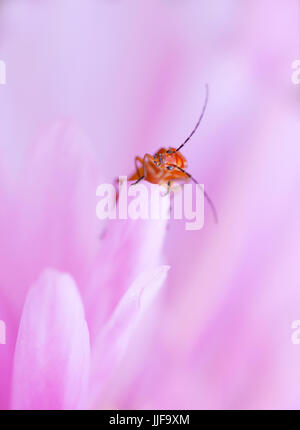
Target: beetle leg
x=144 y=163
x=168 y=189
x=136 y=182
x=136 y=160
x=151 y=171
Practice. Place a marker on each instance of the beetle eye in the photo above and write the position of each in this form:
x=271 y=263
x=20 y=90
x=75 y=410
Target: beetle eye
x=170 y=167
x=169 y=151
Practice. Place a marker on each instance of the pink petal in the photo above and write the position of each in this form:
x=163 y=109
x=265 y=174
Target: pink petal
x=54 y=227
x=57 y=225
x=117 y=333
x=7 y=315
x=51 y=365
x=130 y=247
x=8 y=326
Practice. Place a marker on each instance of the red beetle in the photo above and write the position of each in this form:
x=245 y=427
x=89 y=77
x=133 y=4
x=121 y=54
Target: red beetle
x=168 y=166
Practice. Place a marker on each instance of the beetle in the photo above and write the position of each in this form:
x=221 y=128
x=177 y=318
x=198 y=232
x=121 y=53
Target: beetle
x=168 y=166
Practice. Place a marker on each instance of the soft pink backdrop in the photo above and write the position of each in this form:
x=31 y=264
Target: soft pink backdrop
x=125 y=78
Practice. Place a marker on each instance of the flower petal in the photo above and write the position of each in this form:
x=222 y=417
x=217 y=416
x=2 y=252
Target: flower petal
x=128 y=248
x=8 y=334
x=51 y=365
x=115 y=337
x=57 y=223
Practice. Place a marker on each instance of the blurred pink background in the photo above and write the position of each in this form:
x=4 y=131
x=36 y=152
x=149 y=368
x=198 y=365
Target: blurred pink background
x=129 y=77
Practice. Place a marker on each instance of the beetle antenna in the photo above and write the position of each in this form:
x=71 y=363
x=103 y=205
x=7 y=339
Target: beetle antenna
x=199 y=120
x=209 y=200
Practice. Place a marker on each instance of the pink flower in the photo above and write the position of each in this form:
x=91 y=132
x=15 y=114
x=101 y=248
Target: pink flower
x=79 y=316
